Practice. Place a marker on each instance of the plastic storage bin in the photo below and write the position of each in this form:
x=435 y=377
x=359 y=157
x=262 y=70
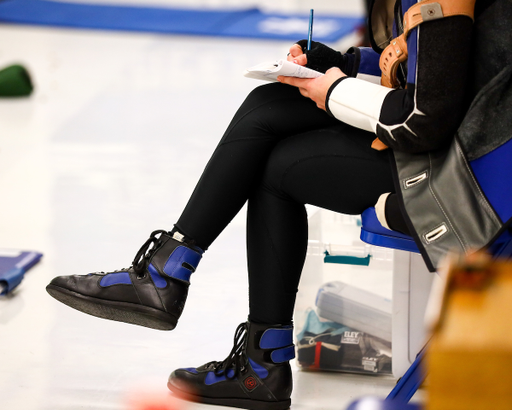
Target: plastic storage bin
x=336 y=254
x=356 y=308
x=332 y=346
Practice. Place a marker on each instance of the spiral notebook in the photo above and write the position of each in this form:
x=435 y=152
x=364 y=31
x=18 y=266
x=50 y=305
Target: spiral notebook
x=270 y=70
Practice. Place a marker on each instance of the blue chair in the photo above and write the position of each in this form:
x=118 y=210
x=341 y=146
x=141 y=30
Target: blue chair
x=372 y=232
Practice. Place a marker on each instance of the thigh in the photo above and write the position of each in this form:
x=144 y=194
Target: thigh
x=334 y=168
x=275 y=111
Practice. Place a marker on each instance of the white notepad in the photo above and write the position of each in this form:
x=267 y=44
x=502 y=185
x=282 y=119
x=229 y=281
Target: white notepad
x=270 y=70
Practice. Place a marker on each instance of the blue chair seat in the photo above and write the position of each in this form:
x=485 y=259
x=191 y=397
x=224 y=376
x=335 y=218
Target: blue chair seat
x=373 y=233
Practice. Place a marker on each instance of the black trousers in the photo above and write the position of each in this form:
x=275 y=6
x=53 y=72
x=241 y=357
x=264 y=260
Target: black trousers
x=280 y=152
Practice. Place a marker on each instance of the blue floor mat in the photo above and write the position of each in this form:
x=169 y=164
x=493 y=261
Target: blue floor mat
x=249 y=23
x=13 y=265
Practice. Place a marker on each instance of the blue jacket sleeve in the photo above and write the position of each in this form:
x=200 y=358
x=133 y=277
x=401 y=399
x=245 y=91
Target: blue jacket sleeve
x=366 y=64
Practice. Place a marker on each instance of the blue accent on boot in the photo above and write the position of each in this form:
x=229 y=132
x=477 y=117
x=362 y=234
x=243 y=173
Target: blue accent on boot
x=174 y=265
x=274 y=338
x=191 y=370
x=116 y=278
x=258 y=369
x=159 y=281
x=283 y=355
x=212 y=378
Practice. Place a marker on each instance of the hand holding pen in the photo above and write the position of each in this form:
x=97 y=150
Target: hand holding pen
x=314 y=88
x=315 y=55
x=296 y=54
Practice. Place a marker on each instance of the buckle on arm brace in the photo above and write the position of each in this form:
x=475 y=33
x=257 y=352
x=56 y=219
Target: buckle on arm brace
x=426 y=10
x=396 y=52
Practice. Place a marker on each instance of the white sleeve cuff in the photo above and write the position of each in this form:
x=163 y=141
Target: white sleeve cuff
x=358 y=103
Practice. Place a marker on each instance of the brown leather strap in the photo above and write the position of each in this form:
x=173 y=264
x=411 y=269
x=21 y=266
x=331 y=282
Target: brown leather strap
x=390 y=60
x=428 y=10
x=378 y=145
x=396 y=52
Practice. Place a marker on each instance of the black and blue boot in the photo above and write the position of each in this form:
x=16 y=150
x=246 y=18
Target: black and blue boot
x=151 y=293
x=256 y=375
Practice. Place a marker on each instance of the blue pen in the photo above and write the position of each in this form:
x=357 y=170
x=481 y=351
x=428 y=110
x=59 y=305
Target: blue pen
x=310 y=32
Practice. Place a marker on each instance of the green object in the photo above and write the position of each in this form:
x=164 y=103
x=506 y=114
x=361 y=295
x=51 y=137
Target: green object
x=15 y=82
x=346 y=260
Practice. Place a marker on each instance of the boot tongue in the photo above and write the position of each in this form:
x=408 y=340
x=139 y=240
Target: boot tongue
x=237 y=358
x=146 y=250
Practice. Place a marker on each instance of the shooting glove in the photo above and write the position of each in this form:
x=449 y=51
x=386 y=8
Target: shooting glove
x=322 y=57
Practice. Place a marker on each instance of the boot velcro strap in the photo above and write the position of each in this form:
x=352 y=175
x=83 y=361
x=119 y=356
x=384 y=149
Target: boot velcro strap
x=280 y=339
x=274 y=338
x=182 y=263
x=283 y=355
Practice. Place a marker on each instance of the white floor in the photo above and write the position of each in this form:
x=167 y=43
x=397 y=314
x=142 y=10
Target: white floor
x=107 y=149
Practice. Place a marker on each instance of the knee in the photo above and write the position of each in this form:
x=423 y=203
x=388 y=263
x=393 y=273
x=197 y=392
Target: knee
x=260 y=114
x=269 y=95
x=265 y=92
x=279 y=162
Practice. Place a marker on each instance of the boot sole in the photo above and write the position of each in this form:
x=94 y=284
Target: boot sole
x=231 y=402
x=114 y=310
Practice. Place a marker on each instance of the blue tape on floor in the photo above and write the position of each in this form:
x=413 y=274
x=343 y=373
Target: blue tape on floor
x=250 y=23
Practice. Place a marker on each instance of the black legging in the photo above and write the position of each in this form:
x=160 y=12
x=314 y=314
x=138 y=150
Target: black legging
x=281 y=152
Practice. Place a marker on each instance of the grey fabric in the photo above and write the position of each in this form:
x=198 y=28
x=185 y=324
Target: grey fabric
x=488 y=123
x=449 y=196
x=491 y=42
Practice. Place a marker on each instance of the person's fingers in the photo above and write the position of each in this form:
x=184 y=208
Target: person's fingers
x=295 y=50
x=285 y=80
x=301 y=60
x=296 y=82
x=300 y=83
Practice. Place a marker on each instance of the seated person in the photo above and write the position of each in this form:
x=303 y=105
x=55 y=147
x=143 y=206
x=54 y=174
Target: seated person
x=291 y=143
